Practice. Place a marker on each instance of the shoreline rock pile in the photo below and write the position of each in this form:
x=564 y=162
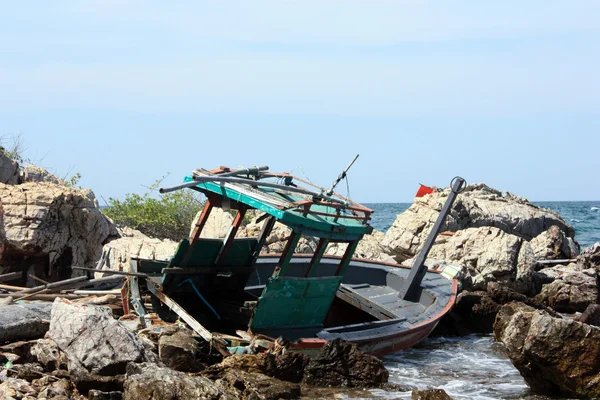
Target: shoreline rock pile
x=84 y=352
x=521 y=270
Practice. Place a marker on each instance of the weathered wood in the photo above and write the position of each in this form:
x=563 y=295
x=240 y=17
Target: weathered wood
x=97 y=292
x=550 y=262
x=54 y=285
x=40 y=280
x=107 y=271
x=46 y=297
x=10 y=287
x=177 y=309
x=10 y=276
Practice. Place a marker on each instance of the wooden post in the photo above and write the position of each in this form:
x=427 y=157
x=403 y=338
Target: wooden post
x=288 y=252
x=262 y=238
x=347 y=257
x=201 y=221
x=312 y=267
x=235 y=226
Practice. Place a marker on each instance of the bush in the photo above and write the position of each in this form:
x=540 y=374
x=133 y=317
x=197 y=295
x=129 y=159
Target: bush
x=168 y=216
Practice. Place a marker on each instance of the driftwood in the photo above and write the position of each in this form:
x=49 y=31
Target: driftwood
x=13 y=288
x=54 y=285
x=10 y=276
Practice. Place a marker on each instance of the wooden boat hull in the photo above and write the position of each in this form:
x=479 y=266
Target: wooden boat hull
x=385 y=336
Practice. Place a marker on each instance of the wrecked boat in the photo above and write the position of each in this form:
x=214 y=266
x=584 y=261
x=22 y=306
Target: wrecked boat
x=231 y=294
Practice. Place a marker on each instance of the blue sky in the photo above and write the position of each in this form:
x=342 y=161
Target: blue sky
x=505 y=93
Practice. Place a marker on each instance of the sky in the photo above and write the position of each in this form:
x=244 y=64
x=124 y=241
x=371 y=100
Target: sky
x=126 y=92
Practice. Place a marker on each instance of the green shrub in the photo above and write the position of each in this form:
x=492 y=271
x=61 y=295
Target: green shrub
x=168 y=216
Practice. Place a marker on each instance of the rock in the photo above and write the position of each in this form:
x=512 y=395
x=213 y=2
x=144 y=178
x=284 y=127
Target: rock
x=50 y=228
x=57 y=389
x=24 y=321
x=20 y=349
x=13 y=388
x=252 y=385
x=178 y=350
x=487 y=255
x=342 y=364
x=590 y=257
x=553 y=244
x=571 y=292
x=591 y=315
x=478 y=206
x=47 y=353
x=368 y=248
x=97 y=347
x=33 y=173
x=217 y=226
x=134 y=244
x=477 y=311
x=557 y=356
x=148 y=381
x=287 y=367
x=275 y=243
x=27 y=371
x=9 y=169
x=430 y=394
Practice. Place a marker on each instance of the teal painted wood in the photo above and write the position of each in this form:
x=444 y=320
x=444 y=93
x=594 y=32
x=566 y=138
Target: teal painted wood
x=294 y=302
x=314 y=225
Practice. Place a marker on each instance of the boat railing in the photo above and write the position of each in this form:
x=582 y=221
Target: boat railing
x=305 y=207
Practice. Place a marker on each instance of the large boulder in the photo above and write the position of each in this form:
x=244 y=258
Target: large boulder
x=275 y=243
x=590 y=257
x=341 y=364
x=571 y=292
x=554 y=244
x=98 y=347
x=50 y=228
x=217 y=226
x=33 y=173
x=149 y=381
x=554 y=355
x=486 y=254
x=24 y=321
x=287 y=367
x=9 y=169
x=177 y=350
x=369 y=248
x=252 y=385
x=479 y=205
x=134 y=244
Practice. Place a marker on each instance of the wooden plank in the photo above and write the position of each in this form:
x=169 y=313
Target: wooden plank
x=550 y=262
x=235 y=226
x=10 y=276
x=54 y=285
x=177 y=309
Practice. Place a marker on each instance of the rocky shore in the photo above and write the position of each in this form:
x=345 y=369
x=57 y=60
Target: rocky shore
x=521 y=275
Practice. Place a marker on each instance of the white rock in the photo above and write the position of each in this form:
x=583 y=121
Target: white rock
x=53 y=222
x=92 y=338
x=477 y=206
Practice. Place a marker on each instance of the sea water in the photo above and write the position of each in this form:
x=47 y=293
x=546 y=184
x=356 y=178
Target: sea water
x=470 y=367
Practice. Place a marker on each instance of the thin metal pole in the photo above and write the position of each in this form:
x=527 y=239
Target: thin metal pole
x=411 y=288
x=342 y=176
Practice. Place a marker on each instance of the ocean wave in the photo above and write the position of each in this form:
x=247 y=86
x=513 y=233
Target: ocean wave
x=594 y=209
x=574 y=220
